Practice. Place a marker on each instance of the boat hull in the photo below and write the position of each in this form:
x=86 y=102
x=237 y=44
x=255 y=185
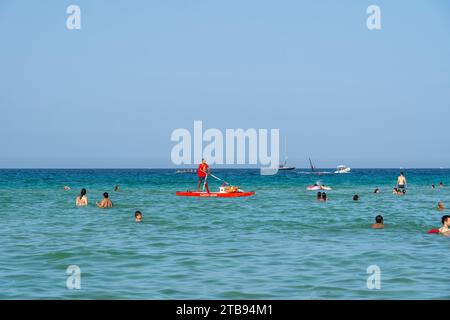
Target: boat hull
x=214 y=194
x=286 y=168
x=317 y=188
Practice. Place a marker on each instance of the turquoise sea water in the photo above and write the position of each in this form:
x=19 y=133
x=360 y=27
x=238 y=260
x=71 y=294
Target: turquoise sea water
x=279 y=244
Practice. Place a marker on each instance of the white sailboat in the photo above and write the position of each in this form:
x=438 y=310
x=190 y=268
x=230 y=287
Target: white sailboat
x=285 y=166
x=314 y=169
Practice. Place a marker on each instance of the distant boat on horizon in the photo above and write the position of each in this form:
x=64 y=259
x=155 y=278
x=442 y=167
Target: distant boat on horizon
x=285 y=166
x=342 y=169
x=186 y=171
x=313 y=169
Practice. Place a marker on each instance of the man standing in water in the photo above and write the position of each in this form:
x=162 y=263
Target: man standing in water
x=202 y=172
x=401 y=181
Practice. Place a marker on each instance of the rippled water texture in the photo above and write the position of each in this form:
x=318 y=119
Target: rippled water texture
x=279 y=244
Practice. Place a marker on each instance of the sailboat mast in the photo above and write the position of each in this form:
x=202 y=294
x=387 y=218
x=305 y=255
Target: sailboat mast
x=310 y=163
x=285 y=151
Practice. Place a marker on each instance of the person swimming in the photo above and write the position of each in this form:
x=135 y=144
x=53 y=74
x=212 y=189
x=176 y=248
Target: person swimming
x=105 y=203
x=401 y=181
x=319 y=196
x=377 y=190
x=82 y=199
x=324 y=196
x=355 y=197
x=116 y=188
x=379 y=222
x=66 y=188
x=444 y=230
x=441 y=184
x=441 y=206
x=138 y=216
x=433 y=186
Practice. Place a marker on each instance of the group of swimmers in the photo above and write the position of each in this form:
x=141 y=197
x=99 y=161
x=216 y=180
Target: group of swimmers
x=321 y=196
x=82 y=200
x=400 y=189
x=441 y=185
x=399 y=192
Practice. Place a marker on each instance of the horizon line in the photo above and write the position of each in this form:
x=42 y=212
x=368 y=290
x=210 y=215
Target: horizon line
x=187 y=168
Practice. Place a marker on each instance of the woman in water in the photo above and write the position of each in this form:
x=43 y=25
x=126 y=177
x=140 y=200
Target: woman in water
x=82 y=199
x=319 y=196
x=324 y=196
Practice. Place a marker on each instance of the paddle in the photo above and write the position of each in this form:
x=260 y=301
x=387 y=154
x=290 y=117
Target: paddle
x=217 y=178
x=204 y=183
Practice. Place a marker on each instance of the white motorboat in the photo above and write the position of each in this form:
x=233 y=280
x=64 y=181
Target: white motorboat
x=342 y=169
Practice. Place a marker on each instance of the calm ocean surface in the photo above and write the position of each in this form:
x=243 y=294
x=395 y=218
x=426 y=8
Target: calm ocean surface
x=279 y=244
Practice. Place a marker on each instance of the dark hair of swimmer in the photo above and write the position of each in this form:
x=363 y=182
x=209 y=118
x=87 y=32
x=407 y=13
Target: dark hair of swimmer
x=379 y=219
x=106 y=195
x=137 y=213
x=444 y=218
x=404 y=191
x=324 y=196
x=401 y=173
x=319 y=194
x=355 y=197
x=82 y=193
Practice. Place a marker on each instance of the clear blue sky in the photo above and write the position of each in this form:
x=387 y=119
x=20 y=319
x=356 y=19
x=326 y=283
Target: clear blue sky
x=110 y=94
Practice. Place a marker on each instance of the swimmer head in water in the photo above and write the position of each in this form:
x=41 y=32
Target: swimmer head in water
x=441 y=206
x=355 y=197
x=379 y=222
x=138 y=216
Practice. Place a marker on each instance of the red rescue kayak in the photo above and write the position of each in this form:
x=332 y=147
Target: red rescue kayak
x=215 y=194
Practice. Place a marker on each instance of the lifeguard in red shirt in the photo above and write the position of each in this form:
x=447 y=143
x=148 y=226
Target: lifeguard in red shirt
x=202 y=172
